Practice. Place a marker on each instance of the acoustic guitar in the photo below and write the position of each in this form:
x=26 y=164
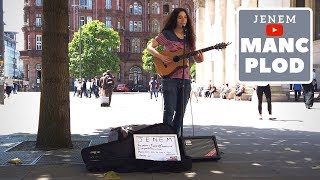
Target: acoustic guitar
x=167 y=69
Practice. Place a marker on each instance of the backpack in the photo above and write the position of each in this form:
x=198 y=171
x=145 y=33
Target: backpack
x=107 y=82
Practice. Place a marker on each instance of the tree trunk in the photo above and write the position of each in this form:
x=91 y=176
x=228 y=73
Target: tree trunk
x=54 y=119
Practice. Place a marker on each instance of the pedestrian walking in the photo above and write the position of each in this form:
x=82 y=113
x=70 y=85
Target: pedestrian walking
x=194 y=90
x=314 y=80
x=153 y=88
x=308 y=95
x=264 y=88
x=107 y=84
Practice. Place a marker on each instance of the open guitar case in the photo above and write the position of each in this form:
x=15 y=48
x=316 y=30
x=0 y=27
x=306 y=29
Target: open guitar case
x=119 y=155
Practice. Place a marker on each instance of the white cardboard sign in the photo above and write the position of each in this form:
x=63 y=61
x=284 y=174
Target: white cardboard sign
x=157 y=147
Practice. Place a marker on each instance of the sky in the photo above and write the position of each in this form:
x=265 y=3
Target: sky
x=13 y=19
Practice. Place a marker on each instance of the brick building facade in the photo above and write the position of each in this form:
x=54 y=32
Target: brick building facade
x=137 y=21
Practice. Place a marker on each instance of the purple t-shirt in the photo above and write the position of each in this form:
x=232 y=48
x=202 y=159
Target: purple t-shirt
x=172 y=43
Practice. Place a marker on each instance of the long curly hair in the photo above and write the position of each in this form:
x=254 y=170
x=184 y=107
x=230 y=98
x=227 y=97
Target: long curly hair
x=171 y=23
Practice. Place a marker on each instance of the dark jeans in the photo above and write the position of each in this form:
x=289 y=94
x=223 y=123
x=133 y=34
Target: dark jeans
x=172 y=95
x=297 y=94
x=267 y=92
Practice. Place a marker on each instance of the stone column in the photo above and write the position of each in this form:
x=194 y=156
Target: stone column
x=249 y=3
x=200 y=24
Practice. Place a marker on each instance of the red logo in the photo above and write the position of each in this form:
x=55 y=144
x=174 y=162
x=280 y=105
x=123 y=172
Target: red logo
x=274 y=30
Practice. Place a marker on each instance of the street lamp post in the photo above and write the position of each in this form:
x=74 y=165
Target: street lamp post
x=80 y=21
x=80 y=48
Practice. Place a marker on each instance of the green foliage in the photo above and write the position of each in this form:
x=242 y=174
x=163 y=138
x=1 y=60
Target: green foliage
x=193 y=71
x=147 y=59
x=99 y=50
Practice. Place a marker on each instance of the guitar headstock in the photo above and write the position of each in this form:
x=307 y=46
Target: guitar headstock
x=222 y=45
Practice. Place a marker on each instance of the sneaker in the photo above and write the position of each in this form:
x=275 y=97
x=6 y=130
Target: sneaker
x=271 y=118
x=260 y=117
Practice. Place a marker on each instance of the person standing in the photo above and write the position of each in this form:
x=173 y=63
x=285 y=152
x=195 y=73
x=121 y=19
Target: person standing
x=9 y=85
x=107 y=84
x=314 y=80
x=75 y=87
x=264 y=88
x=153 y=88
x=177 y=30
x=194 y=90
x=308 y=95
x=297 y=91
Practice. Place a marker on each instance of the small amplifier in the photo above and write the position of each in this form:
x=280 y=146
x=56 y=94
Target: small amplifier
x=202 y=148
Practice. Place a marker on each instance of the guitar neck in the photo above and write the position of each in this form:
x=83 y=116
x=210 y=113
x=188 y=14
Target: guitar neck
x=190 y=54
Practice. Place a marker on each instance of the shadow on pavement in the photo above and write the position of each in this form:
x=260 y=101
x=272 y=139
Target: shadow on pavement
x=247 y=152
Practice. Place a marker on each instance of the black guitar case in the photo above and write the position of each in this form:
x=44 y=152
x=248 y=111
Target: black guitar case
x=119 y=155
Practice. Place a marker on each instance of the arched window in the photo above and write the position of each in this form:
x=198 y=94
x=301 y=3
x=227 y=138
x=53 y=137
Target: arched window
x=155 y=8
x=135 y=45
x=135 y=75
x=166 y=9
x=155 y=26
x=136 y=8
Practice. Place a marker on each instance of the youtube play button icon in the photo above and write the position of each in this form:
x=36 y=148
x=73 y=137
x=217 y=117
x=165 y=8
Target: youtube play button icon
x=274 y=30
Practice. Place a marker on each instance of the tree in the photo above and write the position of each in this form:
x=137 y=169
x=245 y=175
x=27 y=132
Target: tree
x=193 y=71
x=147 y=59
x=54 y=118
x=99 y=50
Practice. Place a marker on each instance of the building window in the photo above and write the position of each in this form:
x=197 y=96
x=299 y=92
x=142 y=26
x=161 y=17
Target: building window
x=118 y=5
x=28 y=43
x=130 y=26
x=118 y=25
x=38 y=67
x=135 y=74
x=135 y=26
x=89 y=4
x=82 y=21
x=82 y=4
x=135 y=45
x=38 y=2
x=155 y=9
x=89 y=18
x=38 y=42
x=166 y=9
x=108 y=22
x=136 y=8
x=108 y=4
x=38 y=20
x=155 y=26
x=173 y=7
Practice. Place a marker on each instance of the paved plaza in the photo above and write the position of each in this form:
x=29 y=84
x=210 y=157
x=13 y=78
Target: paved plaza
x=285 y=148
